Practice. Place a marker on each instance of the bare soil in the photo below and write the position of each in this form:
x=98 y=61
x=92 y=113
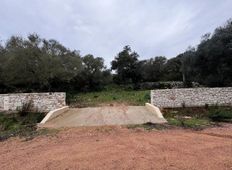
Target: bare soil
x=121 y=148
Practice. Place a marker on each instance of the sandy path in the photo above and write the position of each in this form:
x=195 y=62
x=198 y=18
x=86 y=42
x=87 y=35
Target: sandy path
x=121 y=148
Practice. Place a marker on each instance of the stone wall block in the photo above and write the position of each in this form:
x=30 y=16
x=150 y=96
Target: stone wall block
x=191 y=97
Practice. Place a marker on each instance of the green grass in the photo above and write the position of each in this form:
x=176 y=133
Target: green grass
x=188 y=118
x=198 y=118
x=221 y=115
x=22 y=125
x=108 y=96
x=193 y=118
x=193 y=123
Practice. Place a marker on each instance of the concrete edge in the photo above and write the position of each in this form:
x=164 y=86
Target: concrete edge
x=155 y=110
x=54 y=113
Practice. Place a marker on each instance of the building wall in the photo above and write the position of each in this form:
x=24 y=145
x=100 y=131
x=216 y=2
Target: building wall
x=40 y=101
x=191 y=97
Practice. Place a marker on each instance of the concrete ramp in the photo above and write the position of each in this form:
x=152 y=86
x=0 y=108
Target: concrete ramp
x=100 y=116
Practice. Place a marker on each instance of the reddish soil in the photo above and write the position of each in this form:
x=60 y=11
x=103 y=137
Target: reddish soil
x=122 y=148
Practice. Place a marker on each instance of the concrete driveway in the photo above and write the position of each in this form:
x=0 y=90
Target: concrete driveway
x=99 y=116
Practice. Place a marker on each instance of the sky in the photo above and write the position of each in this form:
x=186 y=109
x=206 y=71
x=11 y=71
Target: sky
x=103 y=27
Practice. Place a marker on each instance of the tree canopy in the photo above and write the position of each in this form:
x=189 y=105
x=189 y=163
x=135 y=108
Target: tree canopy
x=37 y=64
x=126 y=65
x=210 y=64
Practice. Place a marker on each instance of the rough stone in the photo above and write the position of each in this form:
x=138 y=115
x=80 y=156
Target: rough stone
x=40 y=101
x=191 y=97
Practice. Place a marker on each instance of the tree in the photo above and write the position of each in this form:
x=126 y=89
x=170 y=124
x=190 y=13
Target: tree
x=37 y=64
x=126 y=65
x=153 y=69
x=94 y=74
x=2 y=63
x=172 y=69
x=213 y=58
x=187 y=66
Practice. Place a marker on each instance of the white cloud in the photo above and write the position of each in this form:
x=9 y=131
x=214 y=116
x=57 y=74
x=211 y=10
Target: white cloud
x=103 y=27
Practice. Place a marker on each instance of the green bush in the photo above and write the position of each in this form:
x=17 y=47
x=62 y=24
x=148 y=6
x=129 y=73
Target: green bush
x=221 y=115
x=147 y=96
x=19 y=124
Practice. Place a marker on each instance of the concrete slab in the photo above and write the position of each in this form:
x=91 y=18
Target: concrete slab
x=99 y=116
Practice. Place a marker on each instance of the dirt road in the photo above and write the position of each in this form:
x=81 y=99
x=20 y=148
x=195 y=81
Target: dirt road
x=122 y=148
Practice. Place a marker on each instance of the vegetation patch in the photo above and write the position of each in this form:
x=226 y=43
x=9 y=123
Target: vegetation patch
x=21 y=124
x=193 y=123
x=221 y=115
x=109 y=96
x=150 y=126
x=190 y=118
x=198 y=118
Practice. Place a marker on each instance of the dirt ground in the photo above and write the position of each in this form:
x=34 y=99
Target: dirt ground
x=122 y=148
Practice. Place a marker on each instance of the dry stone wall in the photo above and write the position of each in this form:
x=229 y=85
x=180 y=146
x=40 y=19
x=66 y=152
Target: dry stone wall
x=191 y=97
x=40 y=101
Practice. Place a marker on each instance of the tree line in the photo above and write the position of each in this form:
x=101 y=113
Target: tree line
x=209 y=64
x=36 y=64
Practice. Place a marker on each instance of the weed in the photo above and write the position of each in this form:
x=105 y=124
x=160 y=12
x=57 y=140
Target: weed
x=220 y=115
x=183 y=105
x=197 y=118
x=149 y=126
x=26 y=108
x=18 y=124
x=147 y=96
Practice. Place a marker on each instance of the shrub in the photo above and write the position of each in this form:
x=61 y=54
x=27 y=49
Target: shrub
x=16 y=125
x=26 y=108
x=147 y=96
x=221 y=115
x=183 y=105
